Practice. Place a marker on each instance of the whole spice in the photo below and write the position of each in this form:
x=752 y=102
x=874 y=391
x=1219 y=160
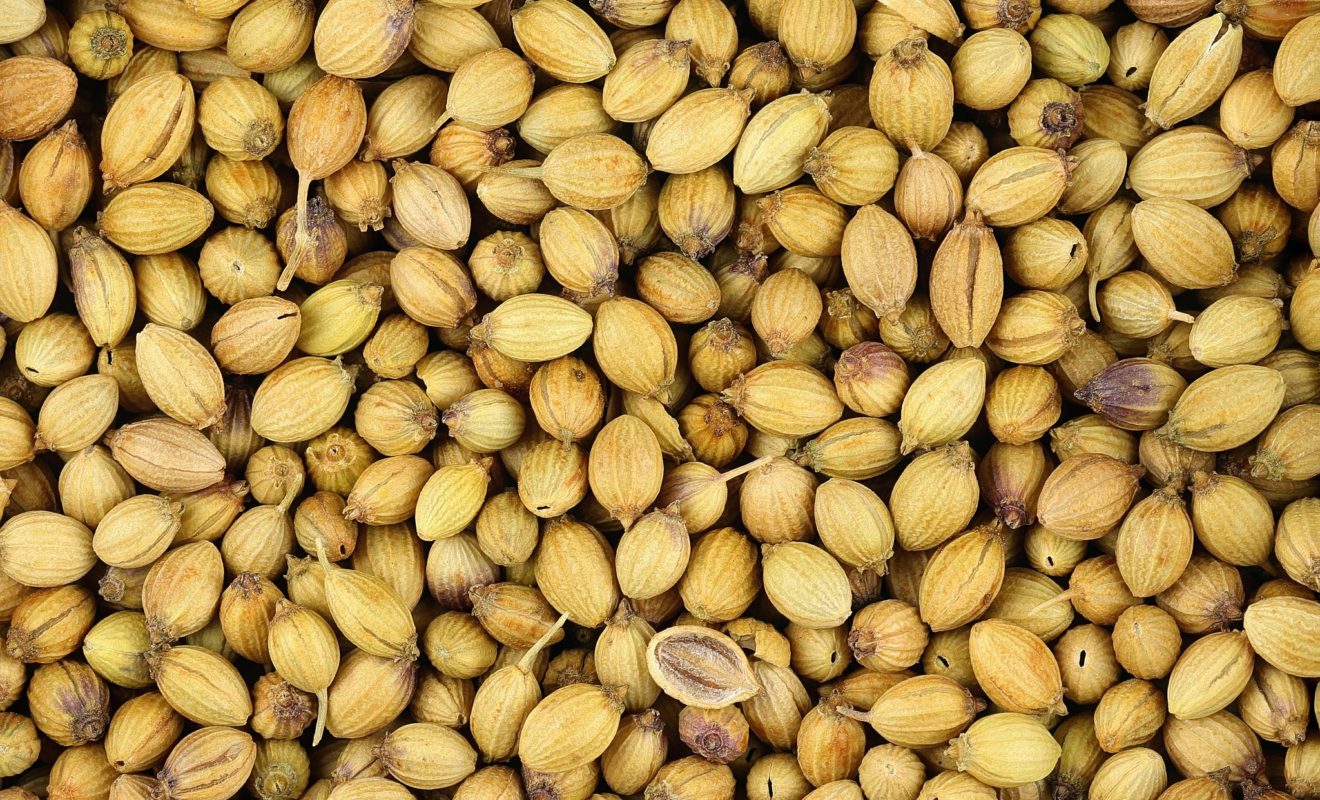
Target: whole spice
x=668 y=455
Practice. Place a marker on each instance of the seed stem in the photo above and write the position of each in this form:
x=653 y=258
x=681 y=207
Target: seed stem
x=302 y=240
x=322 y=702
x=849 y=711
x=725 y=477
x=1091 y=283
x=1061 y=597
x=525 y=663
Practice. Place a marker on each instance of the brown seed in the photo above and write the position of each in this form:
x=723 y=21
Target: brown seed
x=879 y=261
x=1200 y=422
x=592 y=711
x=1032 y=685
x=648 y=78
x=202 y=685
x=180 y=376
x=155 y=218
x=969 y=561
x=1087 y=495
x=1133 y=394
x=1194 y=70
x=928 y=195
x=924 y=517
x=785 y=398
x=269 y=36
x=68 y=702
x=1220 y=739
x=713 y=34
x=29 y=258
x=966 y=282
x=147 y=130
x=990 y=68
x=55 y=178
x=319 y=150
x=255 y=335
x=1035 y=327
x=1100 y=170
x=1280 y=630
x=912 y=95
x=922 y=711
x=544 y=32
x=1194 y=163
x=1048 y=113
x=166 y=455
x=1154 y=543
x=1274 y=705
x=240 y=119
x=700 y=667
x=426 y=756
x=47 y=624
x=208 y=763
x=279 y=408
x=777 y=141
x=362 y=38
x=1018 y=185
x=722 y=577
x=593 y=171
x=39 y=91
x=942 y=404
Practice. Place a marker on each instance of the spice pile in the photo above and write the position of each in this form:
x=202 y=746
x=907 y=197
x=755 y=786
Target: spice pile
x=889 y=399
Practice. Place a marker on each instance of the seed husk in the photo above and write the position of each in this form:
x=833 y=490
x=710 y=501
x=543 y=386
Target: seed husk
x=713 y=35
x=163 y=105
x=207 y=763
x=700 y=667
x=970 y=562
x=1106 y=487
x=30 y=266
x=688 y=343
x=1199 y=422
x=1194 y=70
x=1030 y=687
x=976 y=753
x=922 y=80
x=647 y=78
x=1279 y=629
x=319 y=150
x=155 y=218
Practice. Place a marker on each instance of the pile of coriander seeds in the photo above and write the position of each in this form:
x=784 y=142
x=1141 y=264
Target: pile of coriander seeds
x=659 y=400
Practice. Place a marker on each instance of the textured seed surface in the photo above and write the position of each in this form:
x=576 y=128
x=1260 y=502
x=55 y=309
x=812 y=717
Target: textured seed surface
x=659 y=399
